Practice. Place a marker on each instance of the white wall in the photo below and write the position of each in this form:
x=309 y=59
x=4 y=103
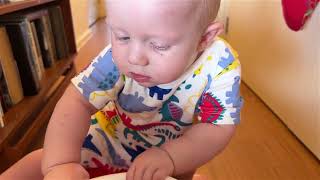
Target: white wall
x=80 y=18
x=102 y=8
x=281 y=66
x=84 y=14
x=93 y=6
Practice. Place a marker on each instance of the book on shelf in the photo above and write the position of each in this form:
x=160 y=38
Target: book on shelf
x=37 y=57
x=5 y=97
x=44 y=34
x=14 y=0
x=9 y=1
x=51 y=20
x=1 y=116
x=19 y=33
x=58 y=29
x=36 y=40
x=1 y=95
x=4 y=1
x=45 y=39
x=11 y=76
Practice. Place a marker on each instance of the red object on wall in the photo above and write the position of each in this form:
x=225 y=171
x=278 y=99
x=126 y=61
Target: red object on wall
x=297 y=12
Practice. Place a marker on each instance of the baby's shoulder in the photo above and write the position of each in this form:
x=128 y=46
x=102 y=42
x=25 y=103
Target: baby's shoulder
x=220 y=58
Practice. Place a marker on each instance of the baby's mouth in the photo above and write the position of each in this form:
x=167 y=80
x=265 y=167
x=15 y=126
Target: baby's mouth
x=139 y=77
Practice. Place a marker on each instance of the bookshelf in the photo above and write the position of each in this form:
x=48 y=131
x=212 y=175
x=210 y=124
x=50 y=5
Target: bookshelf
x=16 y=6
x=26 y=119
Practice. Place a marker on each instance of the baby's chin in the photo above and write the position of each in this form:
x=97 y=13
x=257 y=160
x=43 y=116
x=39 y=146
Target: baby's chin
x=148 y=84
x=152 y=83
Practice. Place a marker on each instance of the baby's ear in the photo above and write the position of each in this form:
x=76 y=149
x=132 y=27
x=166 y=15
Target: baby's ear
x=207 y=38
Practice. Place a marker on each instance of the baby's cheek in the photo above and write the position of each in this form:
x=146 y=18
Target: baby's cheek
x=120 y=63
x=119 y=57
x=169 y=74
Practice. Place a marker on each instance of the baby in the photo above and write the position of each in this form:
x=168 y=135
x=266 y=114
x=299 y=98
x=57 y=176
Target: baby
x=164 y=94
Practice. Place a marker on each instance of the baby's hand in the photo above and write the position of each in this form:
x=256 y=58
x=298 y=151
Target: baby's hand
x=153 y=164
x=69 y=171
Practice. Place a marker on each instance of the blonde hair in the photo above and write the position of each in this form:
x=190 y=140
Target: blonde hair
x=209 y=11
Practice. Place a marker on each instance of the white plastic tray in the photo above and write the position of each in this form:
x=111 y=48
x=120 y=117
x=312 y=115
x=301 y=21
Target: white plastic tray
x=120 y=176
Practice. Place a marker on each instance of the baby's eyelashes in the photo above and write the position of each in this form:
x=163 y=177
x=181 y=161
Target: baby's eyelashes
x=159 y=47
x=123 y=38
x=154 y=45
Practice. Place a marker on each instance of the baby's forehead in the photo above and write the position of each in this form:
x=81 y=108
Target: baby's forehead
x=177 y=5
x=157 y=8
x=157 y=2
x=184 y=8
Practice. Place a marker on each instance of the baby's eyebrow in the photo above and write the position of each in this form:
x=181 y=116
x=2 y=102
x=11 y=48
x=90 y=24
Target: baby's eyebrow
x=164 y=37
x=114 y=28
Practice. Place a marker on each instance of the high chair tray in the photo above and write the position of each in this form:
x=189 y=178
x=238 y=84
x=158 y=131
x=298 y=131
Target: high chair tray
x=120 y=176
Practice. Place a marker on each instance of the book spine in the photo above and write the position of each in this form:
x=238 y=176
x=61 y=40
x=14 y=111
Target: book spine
x=58 y=30
x=1 y=116
x=21 y=46
x=38 y=49
x=44 y=43
x=10 y=69
x=48 y=29
x=36 y=59
x=4 y=90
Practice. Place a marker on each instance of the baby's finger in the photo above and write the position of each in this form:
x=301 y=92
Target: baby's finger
x=138 y=173
x=148 y=174
x=159 y=175
x=130 y=173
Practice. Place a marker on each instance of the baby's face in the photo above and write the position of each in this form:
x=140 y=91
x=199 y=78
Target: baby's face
x=153 y=41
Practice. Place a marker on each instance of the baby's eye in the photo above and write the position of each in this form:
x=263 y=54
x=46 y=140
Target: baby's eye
x=159 y=47
x=125 y=38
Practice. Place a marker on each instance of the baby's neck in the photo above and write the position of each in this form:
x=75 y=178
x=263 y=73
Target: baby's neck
x=199 y=54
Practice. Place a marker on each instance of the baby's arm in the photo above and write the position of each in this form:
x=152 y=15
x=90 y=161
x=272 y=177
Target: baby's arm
x=182 y=156
x=70 y=121
x=198 y=145
x=66 y=131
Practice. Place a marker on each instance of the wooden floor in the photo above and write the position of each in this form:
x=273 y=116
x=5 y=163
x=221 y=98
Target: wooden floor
x=262 y=149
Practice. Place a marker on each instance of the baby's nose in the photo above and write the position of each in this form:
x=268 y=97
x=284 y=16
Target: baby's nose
x=141 y=61
x=137 y=57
